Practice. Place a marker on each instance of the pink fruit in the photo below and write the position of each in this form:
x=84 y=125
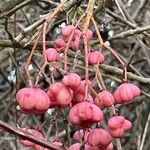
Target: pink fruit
x=64 y=97
x=104 y=99
x=117 y=133
x=98 y=137
x=117 y=125
x=33 y=99
x=59 y=44
x=52 y=55
x=81 y=88
x=85 y=114
x=116 y=122
x=95 y=57
x=52 y=92
x=127 y=125
x=126 y=92
x=75 y=146
x=54 y=89
x=107 y=147
x=75 y=43
x=89 y=147
x=76 y=39
x=60 y=95
x=58 y=143
x=79 y=135
x=79 y=97
x=90 y=99
x=67 y=30
x=77 y=33
x=89 y=35
x=72 y=80
x=53 y=103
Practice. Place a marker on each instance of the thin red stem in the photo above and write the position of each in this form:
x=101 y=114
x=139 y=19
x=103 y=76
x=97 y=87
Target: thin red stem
x=119 y=59
x=44 y=54
x=44 y=41
x=39 y=73
x=29 y=59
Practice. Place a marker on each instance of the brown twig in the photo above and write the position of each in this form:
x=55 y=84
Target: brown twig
x=130 y=32
x=15 y=8
x=28 y=136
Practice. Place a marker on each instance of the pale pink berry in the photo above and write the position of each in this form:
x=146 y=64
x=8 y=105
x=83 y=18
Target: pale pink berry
x=54 y=89
x=64 y=97
x=95 y=57
x=58 y=143
x=104 y=99
x=117 y=125
x=78 y=135
x=79 y=97
x=51 y=55
x=59 y=44
x=116 y=122
x=67 y=30
x=60 y=95
x=33 y=99
x=75 y=43
x=126 y=92
x=105 y=147
x=77 y=33
x=81 y=134
x=75 y=146
x=52 y=92
x=98 y=137
x=85 y=114
x=81 y=88
x=127 y=125
x=89 y=35
x=72 y=80
x=117 y=133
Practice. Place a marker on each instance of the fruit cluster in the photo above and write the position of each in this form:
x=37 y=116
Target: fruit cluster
x=86 y=109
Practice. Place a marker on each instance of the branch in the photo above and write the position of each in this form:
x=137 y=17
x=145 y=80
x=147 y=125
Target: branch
x=118 y=71
x=130 y=32
x=23 y=45
x=10 y=7
x=122 y=20
x=27 y=136
x=28 y=29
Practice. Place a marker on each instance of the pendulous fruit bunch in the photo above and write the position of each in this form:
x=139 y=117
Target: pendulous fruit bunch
x=73 y=92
